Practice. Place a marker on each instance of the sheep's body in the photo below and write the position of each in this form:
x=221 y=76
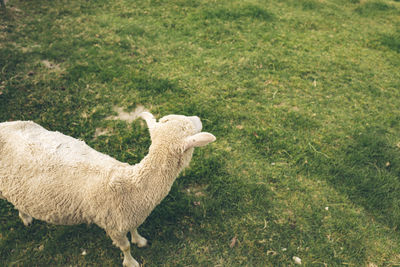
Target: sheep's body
x=70 y=178
x=58 y=179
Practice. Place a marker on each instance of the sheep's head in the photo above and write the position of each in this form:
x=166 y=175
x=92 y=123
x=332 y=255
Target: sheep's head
x=178 y=132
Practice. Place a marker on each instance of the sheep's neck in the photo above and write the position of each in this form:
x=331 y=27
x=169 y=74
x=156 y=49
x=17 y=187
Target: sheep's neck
x=158 y=171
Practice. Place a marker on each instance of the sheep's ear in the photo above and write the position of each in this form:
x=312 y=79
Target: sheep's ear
x=200 y=139
x=149 y=118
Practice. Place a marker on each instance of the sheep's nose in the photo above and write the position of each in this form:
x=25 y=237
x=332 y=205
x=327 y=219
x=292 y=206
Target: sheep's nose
x=197 y=123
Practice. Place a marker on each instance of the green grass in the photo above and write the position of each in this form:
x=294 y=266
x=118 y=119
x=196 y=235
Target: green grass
x=303 y=97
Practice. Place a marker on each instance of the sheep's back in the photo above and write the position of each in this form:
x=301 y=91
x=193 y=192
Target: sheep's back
x=30 y=138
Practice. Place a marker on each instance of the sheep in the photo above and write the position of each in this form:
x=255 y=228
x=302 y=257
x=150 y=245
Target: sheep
x=58 y=179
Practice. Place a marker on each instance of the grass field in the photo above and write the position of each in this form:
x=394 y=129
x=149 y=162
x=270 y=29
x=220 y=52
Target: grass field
x=302 y=95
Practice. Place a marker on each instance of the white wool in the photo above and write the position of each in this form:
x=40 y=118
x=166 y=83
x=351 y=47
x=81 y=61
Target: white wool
x=58 y=145
x=59 y=179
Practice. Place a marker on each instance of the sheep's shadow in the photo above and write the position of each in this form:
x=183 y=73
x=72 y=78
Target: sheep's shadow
x=366 y=169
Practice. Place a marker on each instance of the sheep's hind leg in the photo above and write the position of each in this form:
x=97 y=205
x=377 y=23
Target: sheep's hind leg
x=137 y=239
x=121 y=241
x=26 y=219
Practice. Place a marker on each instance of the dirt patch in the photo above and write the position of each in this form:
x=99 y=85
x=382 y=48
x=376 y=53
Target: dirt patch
x=125 y=116
x=50 y=65
x=100 y=132
x=196 y=190
x=129 y=117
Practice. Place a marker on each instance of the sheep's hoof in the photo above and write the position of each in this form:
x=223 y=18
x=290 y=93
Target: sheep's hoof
x=137 y=239
x=130 y=263
x=26 y=219
x=140 y=242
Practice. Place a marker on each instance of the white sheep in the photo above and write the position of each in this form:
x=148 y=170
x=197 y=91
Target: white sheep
x=58 y=179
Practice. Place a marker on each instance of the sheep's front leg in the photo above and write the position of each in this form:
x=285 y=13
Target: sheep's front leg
x=26 y=219
x=137 y=239
x=121 y=241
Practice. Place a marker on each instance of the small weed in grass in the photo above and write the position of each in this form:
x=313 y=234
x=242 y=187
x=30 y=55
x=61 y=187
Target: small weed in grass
x=392 y=41
x=374 y=8
x=237 y=12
